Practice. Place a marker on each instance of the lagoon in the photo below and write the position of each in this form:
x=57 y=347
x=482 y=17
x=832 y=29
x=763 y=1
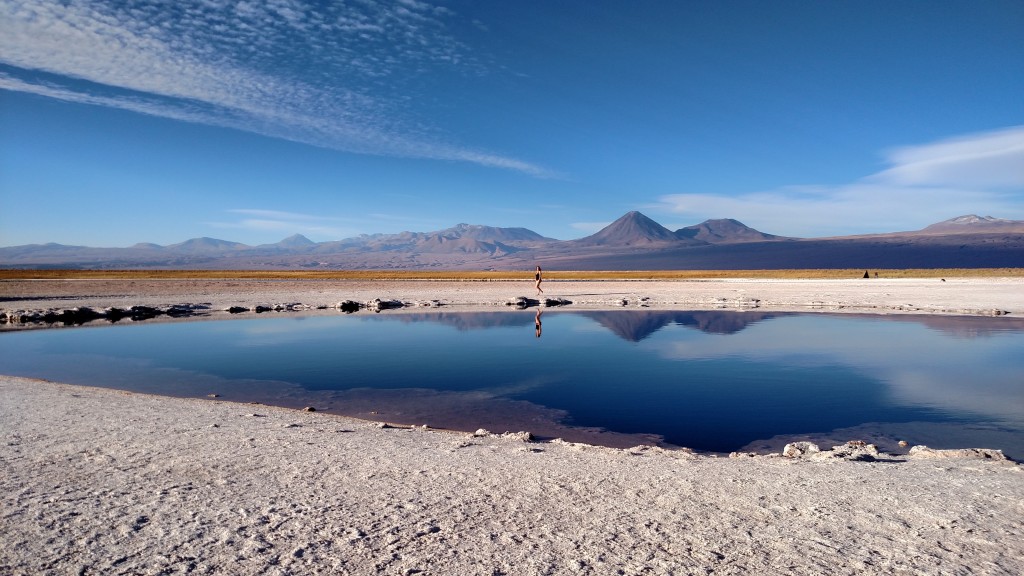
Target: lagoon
x=712 y=381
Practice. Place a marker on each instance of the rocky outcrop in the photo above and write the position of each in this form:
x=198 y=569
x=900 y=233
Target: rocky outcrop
x=550 y=302
x=854 y=450
x=518 y=436
x=83 y=314
x=348 y=306
x=924 y=452
x=524 y=302
x=377 y=304
x=521 y=302
x=800 y=449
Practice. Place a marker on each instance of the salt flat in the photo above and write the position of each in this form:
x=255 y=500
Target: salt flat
x=974 y=296
x=98 y=481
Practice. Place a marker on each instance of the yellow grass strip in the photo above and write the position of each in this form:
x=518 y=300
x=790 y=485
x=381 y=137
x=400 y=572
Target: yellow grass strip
x=490 y=276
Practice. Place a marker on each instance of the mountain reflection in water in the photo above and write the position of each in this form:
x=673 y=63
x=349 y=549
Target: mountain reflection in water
x=711 y=380
x=636 y=325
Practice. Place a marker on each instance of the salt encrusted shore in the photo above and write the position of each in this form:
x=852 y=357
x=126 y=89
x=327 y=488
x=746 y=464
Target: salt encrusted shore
x=58 y=302
x=97 y=481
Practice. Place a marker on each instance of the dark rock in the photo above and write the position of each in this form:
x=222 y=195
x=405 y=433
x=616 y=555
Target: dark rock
x=522 y=302
x=549 y=302
x=115 y=314
x=143 y=312
x=178 y=311
x=348 y=306
x=79 y=315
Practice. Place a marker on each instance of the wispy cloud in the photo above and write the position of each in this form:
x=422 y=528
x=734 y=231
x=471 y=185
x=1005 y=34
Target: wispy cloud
x=233 y=64
x=322 y=227
x=979 y=173
x=987 y=160
x=588 y=227
x=391 y=217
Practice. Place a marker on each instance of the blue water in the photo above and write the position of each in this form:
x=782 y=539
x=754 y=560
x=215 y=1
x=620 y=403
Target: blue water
x=710 y=380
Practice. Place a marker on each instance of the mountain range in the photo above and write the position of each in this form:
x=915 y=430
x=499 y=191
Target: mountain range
x=633 y=242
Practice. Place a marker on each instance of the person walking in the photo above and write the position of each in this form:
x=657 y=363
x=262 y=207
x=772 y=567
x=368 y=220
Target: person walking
x=537 y=278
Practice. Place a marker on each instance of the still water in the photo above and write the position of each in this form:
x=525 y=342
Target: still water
x=713 y=381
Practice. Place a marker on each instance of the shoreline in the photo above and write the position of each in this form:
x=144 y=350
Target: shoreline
x=98 y=480
x=36 y=303
x=132 y=483
x=958 y=304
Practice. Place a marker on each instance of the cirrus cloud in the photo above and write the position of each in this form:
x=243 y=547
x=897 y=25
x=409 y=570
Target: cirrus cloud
x=228 y=64
x=980 y=173
x=987 y=160
x=261 y=220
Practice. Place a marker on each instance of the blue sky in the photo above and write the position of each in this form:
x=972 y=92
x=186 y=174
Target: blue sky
x=123 y=122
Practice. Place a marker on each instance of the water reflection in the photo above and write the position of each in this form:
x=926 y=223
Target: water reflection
x=636 y=325
x=710 y=380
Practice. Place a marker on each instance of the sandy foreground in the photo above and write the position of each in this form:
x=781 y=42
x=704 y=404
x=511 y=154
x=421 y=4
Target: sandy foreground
x=97 y=481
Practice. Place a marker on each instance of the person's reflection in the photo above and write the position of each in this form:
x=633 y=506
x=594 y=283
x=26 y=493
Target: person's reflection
x=536 y=322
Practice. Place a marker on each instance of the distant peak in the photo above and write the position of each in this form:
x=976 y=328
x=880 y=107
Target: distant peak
x=631 y=228
x=972 y=223
x=206 y=243
x=634 y=215
x=296 y=239
x=206 y=240
x=724 y=231
x=491 y=233
x=973 y=219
